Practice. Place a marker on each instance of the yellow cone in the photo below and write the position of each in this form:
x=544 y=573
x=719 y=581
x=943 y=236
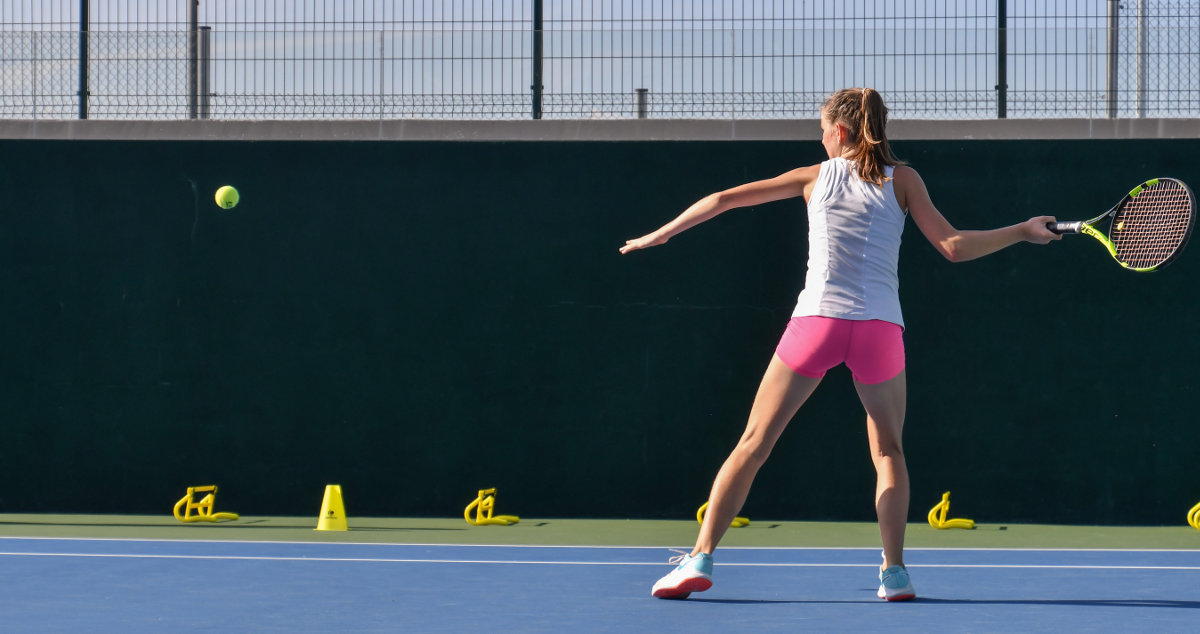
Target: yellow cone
x=333 y=512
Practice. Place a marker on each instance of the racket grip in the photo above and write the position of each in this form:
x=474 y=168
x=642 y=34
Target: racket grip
x=1065 y=227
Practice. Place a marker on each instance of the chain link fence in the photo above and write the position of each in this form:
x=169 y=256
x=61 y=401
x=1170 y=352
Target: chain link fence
x=1159 y=45
x=578 y=59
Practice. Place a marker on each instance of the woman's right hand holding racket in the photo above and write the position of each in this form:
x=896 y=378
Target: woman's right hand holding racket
x=1036 y=230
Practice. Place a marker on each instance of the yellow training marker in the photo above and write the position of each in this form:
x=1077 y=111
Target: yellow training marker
x=484 y=504
x=1194 y=517
x=333 y=510
x=737 y=522
x=203 y=510
x=937 y=515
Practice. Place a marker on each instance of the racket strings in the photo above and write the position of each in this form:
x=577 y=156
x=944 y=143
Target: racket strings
x=1152 y=226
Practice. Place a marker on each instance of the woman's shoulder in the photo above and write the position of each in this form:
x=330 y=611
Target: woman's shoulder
x=905 y=177
x=805 y=175
x=905 y=181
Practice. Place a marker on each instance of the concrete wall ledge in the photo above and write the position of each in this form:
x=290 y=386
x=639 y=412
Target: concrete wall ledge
x=586 y=130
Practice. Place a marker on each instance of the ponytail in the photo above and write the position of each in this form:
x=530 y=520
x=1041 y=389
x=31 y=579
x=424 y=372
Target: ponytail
x=862 y=112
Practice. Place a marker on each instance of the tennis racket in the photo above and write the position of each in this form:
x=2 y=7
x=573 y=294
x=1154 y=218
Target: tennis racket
x=1149 y=228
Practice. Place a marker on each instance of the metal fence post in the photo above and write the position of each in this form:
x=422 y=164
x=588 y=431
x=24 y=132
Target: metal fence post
x=379 y=99
x=193 y=83
x=205 y=73
x=1141 y=59
x=84 y=22
x=1114 y=10
x=643 y=107
x=1001 y=59
x=537 y=59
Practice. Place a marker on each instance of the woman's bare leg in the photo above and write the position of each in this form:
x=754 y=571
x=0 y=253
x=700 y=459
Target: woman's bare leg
x=885 y=404
x=780 y=395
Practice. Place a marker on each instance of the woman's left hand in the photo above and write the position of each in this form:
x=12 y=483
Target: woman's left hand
x=646 y=241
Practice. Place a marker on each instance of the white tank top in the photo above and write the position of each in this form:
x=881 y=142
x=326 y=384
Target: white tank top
x=854 y=232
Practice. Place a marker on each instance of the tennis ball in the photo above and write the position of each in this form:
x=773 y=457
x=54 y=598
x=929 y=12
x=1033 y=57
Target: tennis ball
x=227 y=197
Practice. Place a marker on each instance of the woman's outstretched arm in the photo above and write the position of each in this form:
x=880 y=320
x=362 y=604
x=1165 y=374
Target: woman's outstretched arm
x=961 y=245
x=787 y=185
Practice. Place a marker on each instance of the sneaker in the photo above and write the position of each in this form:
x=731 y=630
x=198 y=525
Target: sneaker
x=882 y=593
x=895 y=585
x=693 y=574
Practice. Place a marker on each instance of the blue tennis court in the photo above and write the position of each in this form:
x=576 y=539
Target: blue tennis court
x=156 y=585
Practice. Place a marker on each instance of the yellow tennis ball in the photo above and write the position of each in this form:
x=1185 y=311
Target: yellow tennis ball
x=227 y=197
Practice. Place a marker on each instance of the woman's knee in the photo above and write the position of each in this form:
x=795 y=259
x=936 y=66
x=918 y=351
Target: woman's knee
x=890 y=446
x=887 y=450
x=753 y=449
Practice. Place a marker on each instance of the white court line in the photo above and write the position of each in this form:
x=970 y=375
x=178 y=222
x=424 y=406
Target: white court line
x=569 y=563
x=593 y=547
x=439 y=545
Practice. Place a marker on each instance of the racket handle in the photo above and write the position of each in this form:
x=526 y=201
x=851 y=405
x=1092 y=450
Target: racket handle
x=1065 y=227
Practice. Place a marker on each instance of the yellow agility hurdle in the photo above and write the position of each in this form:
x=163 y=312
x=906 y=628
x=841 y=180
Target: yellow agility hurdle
x=737 y=522
x=937 y=516
x=201 y=511
x=484 y=504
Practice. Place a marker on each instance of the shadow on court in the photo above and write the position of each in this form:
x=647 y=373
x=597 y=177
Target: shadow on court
x=760 y=601
x=93 y=525
x=1110 y=603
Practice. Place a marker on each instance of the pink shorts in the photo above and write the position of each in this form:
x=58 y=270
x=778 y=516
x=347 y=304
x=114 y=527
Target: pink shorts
x=873 y=350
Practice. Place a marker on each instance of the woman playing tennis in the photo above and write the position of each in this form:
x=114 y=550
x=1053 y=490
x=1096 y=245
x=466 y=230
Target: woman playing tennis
x=848 y=312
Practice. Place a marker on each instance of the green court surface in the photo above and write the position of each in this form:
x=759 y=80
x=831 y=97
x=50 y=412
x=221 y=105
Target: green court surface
x=593 y=532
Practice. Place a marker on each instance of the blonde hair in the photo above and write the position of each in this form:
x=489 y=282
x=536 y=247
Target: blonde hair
x=862 y=112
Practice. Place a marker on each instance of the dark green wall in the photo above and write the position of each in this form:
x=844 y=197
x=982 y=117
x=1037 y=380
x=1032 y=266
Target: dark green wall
x=419 y=320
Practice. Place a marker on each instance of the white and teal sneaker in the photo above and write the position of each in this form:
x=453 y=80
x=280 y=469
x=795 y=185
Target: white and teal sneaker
x=895 y=585
x=693 y=574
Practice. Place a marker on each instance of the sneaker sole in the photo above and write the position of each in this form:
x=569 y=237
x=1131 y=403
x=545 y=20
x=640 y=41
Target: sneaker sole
x=902 y=597
x=681 y=591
